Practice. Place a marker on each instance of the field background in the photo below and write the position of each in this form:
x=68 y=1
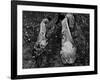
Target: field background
x=51 y=56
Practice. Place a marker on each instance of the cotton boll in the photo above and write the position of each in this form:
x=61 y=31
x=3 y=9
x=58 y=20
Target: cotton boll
x=43 y=43
x=67 y=47
x=68 y=53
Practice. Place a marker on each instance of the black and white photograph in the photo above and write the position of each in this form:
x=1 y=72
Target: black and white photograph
x=53 y=39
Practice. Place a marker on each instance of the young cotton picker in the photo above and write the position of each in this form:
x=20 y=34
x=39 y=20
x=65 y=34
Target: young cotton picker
x=68 y=50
